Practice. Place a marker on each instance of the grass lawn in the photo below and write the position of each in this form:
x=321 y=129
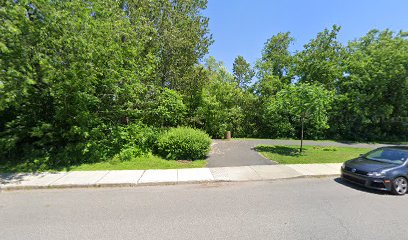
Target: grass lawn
x=311 y=154
x=140 y=163
x=328 y=140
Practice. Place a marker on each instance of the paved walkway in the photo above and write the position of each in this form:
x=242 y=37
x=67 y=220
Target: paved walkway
x=235 y=153
x=172 y=176
x=242 y=153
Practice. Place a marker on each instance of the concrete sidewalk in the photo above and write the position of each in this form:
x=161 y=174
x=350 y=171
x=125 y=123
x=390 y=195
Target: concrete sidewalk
x=171 y=176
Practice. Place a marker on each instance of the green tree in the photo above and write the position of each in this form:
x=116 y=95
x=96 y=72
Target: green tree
x=75 y=75
x=276 y=58
x=179 y=37
x=221 y=104
x=303 y=103
x=274 y=72
x=275 y=66
x=369 y=103
x=322 y=60
x=163 y=107
x=68 y=78
x=243 y=73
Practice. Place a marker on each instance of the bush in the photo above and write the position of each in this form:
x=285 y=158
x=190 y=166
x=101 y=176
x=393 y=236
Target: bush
x=183 y=144
x=140 y=136
x=128 y=154
x=163 y=107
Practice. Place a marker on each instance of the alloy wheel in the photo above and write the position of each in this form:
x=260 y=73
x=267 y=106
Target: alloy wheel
x=400 y=185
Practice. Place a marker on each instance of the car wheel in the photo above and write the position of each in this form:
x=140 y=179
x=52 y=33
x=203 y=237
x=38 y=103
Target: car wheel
x=399 y=186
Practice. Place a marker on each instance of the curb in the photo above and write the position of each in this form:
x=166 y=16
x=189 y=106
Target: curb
x=117 y=185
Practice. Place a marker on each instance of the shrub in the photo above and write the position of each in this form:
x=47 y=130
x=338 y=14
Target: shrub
x=183 y=144
x=141 y=136
x=106 y=141
x=163 y=107
x=128 y=154
x=133 y=141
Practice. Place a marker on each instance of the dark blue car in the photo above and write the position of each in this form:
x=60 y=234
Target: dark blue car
x=384 y=168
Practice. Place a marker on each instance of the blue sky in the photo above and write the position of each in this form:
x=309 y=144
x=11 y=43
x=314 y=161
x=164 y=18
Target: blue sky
x=241 y=27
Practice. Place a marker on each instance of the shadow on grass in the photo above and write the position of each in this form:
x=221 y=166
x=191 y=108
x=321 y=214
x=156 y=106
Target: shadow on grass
x=17 y=170
x=281 y=150
x=34 y=166
x=351 y=142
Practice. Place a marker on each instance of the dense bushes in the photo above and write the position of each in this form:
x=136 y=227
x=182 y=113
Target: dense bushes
x=163 y=107
x=183 y=144
x=87 y=81
x=134 y=141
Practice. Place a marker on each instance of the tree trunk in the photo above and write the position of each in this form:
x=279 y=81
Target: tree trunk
x=301 y=136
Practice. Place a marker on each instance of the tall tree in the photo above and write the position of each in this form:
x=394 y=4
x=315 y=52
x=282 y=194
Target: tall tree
x=274 y=72
x=274 y=67
x=76 y=70
x=369 y=104
x=221 y=107
x=243 y=72
x=179 y=37
x=276 y=59
x=322 y=60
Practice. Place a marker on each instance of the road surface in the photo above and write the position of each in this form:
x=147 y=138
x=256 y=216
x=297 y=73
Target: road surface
x=323 y=208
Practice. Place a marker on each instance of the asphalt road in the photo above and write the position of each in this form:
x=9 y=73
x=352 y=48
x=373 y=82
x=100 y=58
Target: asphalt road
x=287 y=209
x=242 y=153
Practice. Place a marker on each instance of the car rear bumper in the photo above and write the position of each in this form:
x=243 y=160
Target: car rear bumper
x=366 y=181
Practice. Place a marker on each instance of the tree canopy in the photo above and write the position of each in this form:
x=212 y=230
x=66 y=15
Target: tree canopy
x=82 y=81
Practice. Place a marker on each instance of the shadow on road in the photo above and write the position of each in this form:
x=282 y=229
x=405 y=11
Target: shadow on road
x=359 y=188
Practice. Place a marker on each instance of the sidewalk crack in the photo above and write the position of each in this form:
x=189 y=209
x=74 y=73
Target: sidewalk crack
x=66 y=173
x=138 y=180
x=102 y=177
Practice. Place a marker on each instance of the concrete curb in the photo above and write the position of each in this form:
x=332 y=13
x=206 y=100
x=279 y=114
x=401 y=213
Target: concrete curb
x=116 y=185
x=135 y=178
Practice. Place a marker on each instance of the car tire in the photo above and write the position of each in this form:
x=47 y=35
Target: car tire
x=399 y=186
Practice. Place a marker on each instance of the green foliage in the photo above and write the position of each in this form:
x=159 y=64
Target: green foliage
x=276 y=59
x=322 y=60
x=183 y=144
x=370 y=103
x=243 y=73
x=297 y=104
x=221 y=106
x=78 y=77
x=368 y=78
x=178 y=35
x=163 y=108
x=274 y=69
x=127 y=154
x=79 y=90
x=88 y=81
